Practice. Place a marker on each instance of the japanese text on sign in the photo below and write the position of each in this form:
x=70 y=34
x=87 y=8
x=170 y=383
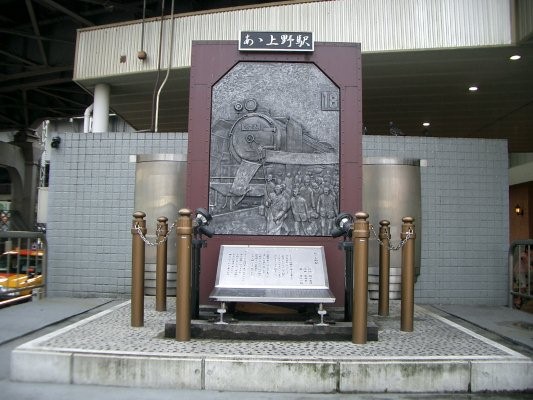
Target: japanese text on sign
x=265 y=266
x=276 y=41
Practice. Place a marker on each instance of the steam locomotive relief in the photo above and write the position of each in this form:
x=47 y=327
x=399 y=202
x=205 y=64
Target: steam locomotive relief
x=270 y=176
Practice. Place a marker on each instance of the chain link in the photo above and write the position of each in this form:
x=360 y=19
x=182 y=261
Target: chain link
x=408 y=235
x=158 y=230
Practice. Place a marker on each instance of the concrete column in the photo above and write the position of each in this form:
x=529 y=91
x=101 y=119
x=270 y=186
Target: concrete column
x=101 y=108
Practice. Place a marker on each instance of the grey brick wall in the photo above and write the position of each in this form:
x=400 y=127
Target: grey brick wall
x=464 y=212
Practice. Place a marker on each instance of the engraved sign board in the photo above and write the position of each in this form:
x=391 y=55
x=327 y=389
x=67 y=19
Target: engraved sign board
x=273 y=274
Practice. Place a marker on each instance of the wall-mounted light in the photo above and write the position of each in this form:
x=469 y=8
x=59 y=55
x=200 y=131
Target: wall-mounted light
x=343 y=225
x=200 y=222
x=518 y=210
x=55 y=142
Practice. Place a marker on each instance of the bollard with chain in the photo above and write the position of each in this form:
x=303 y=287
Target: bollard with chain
x=183 y=293
x=161 y=265
x=384 y=268
x=137 y=274
x=408 y=273
x=360 y=235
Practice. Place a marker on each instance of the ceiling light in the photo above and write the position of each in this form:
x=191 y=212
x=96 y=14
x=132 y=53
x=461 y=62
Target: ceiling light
x=515 y=57
x=426 y=124
x=473 y=88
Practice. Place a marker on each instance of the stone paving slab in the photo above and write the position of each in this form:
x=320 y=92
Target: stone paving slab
x=439 y=356
x=511 y=324
x=37 y=314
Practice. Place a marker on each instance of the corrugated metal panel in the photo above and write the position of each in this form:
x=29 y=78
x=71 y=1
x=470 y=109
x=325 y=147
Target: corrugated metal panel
x=379 y=25
x=525 y=18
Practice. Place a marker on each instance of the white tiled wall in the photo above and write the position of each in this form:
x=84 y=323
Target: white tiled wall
x=464 y=212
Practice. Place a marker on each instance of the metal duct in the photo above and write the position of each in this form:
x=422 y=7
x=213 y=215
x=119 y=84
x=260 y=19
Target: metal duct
x=391 y=191
x=160 y=184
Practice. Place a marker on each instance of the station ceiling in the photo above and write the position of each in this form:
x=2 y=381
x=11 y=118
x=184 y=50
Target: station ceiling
x=37 y=44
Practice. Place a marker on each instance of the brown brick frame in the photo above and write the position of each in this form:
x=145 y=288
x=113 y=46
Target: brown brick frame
x=341 y=62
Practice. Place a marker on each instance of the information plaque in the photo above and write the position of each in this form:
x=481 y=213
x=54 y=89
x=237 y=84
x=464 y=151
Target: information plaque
x=273 y=274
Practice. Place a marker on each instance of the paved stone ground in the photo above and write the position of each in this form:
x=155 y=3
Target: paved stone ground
x=433 y=338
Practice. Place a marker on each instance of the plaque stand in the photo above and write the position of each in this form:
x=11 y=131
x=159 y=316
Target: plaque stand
x=322 y=313
x=252 y=324
x=222 y=310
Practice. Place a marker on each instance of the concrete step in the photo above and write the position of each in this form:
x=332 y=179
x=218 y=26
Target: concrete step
x=438 y=356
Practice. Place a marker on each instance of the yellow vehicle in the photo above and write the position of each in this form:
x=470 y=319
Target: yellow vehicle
x=20 y=272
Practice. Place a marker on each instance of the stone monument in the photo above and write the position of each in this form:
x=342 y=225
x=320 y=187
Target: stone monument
x=275 y=147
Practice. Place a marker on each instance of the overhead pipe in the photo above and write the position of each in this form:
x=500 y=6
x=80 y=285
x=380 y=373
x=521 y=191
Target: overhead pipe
x=87 y=118
x=168 y=67
x=156 y=86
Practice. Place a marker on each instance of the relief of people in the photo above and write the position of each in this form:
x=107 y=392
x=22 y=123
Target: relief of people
x=308 y=209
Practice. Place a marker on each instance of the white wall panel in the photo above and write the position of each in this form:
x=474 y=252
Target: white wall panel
x=379 y=25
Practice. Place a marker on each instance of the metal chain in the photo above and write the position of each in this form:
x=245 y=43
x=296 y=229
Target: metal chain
x=158 y=230
x=408 y=235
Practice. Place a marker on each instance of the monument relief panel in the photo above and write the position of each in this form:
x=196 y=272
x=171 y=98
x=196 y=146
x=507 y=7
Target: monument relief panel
x=274 y=155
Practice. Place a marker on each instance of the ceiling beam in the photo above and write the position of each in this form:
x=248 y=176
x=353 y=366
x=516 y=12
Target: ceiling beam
x=29 y=6
x=32 y=85
x=20 y=59
x=52 y=4
x=11 y=121
x=56 y=96
x=113 y=5
x=31 y=36
x=25 y=107
x=16 y=104
x=36 y=72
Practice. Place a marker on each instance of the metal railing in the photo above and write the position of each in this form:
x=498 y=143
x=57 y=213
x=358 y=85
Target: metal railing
x=520 y=273
x=15 y=261
x=356 y=284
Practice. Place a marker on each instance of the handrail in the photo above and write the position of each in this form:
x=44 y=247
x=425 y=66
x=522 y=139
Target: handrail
x=529 y=272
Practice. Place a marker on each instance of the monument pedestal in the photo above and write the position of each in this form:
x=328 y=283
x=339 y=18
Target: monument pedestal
x=272 y=330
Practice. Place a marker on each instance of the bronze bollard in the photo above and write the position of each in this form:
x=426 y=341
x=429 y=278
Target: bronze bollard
x=384 y=268
x=183 y=285
x=137 y=269
x=360 y=235
x=408 y=275
x=161 y=265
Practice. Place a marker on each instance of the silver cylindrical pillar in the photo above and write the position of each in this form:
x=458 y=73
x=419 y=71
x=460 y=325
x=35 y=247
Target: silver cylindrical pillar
x=160 y=187
x=391 y=190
